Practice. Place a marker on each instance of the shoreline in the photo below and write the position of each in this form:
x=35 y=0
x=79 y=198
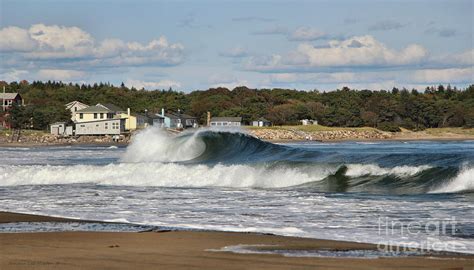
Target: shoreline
x=187 y=249
x=396 y=138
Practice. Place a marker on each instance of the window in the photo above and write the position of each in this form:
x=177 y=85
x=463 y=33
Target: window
x=81 y=116
x=101 y=115
x=75 y=109
x=95 y=115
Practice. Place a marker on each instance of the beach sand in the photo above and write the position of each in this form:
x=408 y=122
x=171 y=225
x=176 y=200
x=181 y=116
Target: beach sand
x=184 y=250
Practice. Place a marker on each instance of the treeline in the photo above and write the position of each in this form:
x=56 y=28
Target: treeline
x=440 y=106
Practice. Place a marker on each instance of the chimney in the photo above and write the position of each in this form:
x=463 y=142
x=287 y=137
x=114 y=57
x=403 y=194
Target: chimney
x=163 y=112
x=128 y=112
x=208 y=119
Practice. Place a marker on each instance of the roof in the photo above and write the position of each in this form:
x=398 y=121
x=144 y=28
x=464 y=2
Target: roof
x=8 y=95
x=226 y=119
x=151 y=116
x=94 y=109
x=72 y=103
x=262 y=119
x=179 y=116
x=111 y=107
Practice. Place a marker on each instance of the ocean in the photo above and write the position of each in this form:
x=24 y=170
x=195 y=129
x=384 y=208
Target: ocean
x=410 y=194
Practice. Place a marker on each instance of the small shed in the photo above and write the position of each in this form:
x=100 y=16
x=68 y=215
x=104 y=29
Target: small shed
x=262 y=122
x=61 y=129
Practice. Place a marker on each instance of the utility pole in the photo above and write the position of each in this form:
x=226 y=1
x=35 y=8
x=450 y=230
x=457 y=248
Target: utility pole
x=3 y=99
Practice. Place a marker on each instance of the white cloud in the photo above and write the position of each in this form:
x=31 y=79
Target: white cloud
x=451 y=75
x=14 y=75
x=306 y=34
x=15 y=39
x=358 y=51
x=60 y=74
x=163 y=84
x=53 y=42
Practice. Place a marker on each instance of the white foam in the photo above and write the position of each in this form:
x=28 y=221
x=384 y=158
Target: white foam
x=464 y=181
x=157 y=145
x=357 y=170
x=162 y=174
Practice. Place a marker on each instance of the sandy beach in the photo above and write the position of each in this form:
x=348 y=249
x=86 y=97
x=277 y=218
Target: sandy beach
x=184 y=250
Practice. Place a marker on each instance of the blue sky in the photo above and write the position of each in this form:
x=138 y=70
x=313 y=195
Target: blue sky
x=189 y=45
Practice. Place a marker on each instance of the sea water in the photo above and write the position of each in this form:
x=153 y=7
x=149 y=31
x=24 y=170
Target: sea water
x=411 y=194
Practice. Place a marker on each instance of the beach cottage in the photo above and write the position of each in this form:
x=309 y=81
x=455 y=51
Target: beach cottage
x=226 y=121
x=177 y=120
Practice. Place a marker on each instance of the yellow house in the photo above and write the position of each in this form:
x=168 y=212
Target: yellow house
x=130 y=120
x=93 y=113
x=107 y=111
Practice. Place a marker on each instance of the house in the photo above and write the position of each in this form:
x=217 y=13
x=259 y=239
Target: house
x=178 y=120
x=144 y=121
x=225 y=121
x=111 y=126
x=130 y=120
x=307 y=122
x=61 y=129
x=7 y=100
x=93 y=113
x=261 y=122
x=75 y=106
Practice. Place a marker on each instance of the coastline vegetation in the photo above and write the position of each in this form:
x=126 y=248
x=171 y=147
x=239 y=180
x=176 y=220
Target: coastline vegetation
x=435 y=107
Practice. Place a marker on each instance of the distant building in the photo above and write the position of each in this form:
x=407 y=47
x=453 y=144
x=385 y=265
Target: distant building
x=61 y=129
x=130 y=120
x=93 y=113
x=262 y=122
x=7 y=100
x=114 y=126
x=143 y=121
x=177 y=120
x=225 y=121
x=74 y=107
x=307 y=122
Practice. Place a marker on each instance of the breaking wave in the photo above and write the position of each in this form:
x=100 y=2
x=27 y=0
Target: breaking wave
x=234 y=159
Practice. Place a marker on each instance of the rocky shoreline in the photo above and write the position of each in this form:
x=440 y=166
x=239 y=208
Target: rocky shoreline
x=286 y=134
x=335 y=135
x=40 y=139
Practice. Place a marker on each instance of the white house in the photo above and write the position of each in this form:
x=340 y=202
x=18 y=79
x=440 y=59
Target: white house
x=226 y=121
x=114 y=126
x=74 y=107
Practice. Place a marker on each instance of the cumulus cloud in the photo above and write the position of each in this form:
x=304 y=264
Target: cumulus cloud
x=15 y=39
x=386 y=25
x=163 y=84
x=60 y=74
x=359 y=51
x=52 y=42
x=306 y=34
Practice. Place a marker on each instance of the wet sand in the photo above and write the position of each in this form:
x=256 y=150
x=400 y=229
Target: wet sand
x=184 y=250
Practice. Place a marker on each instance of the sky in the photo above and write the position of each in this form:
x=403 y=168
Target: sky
x=195 y=45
